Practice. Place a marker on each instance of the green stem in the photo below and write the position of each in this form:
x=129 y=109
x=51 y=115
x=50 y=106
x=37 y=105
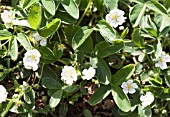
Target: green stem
x=59 y=37
x=7 y=108
x=85 y=11
x=41 y=73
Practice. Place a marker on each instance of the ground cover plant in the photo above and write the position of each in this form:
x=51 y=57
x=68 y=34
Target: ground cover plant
x=92 y=58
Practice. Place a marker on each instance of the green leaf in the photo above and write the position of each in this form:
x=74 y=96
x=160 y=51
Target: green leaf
x=121 y=99
x=70 y=88
x=50 y=29
x=100 y=94
x=34 y=16
x=49 y=6
x=106 y=31
x=24 y=41
x=57 y=50
x=124 y=73
x=111 y=4
x=13 y=48
x=4 y=35
x=167 y=4
x=71 y=7
x=87 y=113
x=167 y=80
x=124 y=33
x=70 y=31
x=103 y=72
x=144 y=112
x=47 y=55
x=51 y=83
x=156 y=6
x=31 y=96
x=99 y=4
x=65 y=17
x=104 y=49
x=80 y=36
x=137 y=38
x=55 y=98
x=27 y=99
x=136 y=14
x=27 y=3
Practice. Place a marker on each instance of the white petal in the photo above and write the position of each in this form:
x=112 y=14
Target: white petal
x=129 y=81
x=43 y=42
x=167 y=58
x=125 y=90
x=132 y=90
x=163 y=65
x=134 y=85
x=124 y=84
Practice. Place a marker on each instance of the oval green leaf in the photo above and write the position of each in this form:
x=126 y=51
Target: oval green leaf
x=71 y=7
x=50 y=29
x=100 y=94
x=121 y=99
x=124 y=73
x=106 y=31
x=34 y=16
x=24 y=41
x=49 y=6
x=55 y=98
x=80 y=36
x=51 y=83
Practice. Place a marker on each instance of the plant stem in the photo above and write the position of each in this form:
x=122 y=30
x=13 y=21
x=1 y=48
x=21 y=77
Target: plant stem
x=85 y=11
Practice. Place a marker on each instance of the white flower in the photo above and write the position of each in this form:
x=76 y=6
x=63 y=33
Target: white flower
x=115 y=17
x=24 y=86
x=129 y=87
x=3 y=94
x=31 y=59
x=8 y=17
x=43 y=42
x=162 y=61
x=88 y=73
x=68 y=75
x=147 y=99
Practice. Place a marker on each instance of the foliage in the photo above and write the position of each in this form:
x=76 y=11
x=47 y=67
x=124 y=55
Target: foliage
x=79 y=34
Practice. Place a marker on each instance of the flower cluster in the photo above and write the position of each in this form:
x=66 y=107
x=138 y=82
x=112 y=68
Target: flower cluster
x=3 y=94
x=115 y=17
x=162 y=61
x=129 y=87
x=69 y=74
x=31 y=59
x=8 y=18
x=42 y=40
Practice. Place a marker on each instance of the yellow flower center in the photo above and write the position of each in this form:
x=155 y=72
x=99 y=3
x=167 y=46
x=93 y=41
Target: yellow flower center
x=33 y=57
x=161 y=59
x=114 y=16
x=129 y=86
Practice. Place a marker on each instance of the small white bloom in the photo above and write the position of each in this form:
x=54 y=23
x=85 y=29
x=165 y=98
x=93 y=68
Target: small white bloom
x=129 y=87
x=68 y=75
x=31 y=59
x=43 y=42
x=162 y=61
x=3 y=94
x=88 y=73
x=8 y=17
x=147 y=99
x=115 y=17
x=24 y=86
